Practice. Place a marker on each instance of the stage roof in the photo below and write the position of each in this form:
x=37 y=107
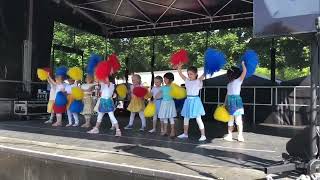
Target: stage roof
x=128 y=18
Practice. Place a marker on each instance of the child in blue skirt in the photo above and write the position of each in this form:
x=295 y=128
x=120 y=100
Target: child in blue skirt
x=192 y=107
x=106 y=105
x=234 y=102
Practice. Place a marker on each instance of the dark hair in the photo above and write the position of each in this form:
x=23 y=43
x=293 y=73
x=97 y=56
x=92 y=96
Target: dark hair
x=159 y=78
x=233 y=73
x=193 y=69
x=169 y=76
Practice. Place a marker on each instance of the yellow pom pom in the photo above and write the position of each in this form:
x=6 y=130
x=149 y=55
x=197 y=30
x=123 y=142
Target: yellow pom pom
x=221 y=114
x=177 y=92
x=150 y=110
x=42 y=74
x=77 y=93
x=75 y=73
x=122 y=91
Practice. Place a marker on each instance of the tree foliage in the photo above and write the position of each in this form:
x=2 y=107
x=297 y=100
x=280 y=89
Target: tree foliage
x=292 y=57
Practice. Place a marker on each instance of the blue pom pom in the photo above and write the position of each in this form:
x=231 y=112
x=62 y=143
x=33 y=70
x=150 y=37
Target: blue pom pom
x=76 y=106
x=61 y=99
x=214 y=60
x=251 y=60
x=92 y=63
x=61 y=71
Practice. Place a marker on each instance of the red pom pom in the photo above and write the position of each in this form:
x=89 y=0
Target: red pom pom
x=48 y=70
x=114 y=63
x=140 y=91
x=103 y=70
x=179 y=57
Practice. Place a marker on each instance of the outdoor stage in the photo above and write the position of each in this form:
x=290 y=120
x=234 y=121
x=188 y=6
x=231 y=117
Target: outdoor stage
x=135 y=155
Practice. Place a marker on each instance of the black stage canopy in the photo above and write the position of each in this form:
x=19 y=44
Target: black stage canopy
x=129 y=18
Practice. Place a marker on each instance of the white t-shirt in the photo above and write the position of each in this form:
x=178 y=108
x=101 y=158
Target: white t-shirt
x=59 y=87
x=234 y=87
x=107 y=90
x=193 y=87
x=154 y=91
x=52 y=95
x=86 y=87
x=69 y=87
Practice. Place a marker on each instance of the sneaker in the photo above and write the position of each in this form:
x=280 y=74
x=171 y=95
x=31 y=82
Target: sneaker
x=128 y=127
x=183 y=136
x=202 y=138
x=228 y=137
x=94 y=131
x=75 y=125
x=118 y=133
x=48 y=122
x=142 y=129
x=152 y=131
x=68 y=125
x=112 y=128
x=240 y=138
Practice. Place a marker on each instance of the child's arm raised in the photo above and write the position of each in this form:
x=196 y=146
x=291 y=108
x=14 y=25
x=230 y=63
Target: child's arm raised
x=51 y=81
x=244 y=71
x=180 y=72
x=202 y=77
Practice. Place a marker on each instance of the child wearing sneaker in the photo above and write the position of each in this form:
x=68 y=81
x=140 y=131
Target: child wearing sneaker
x=136 y=104
x=158 y=80
x=234 y=102
x=106 y=105
x=192 y=107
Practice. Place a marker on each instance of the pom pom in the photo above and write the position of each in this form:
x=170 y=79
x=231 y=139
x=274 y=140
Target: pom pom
x=148 y=95
x=75 y=73
x=61 y=99
x=150 y=110
x=103 y=70
x=140 y=91
x=76 y=106
x=122 y=91
x=179 y=57
x=48 y=70
x=214 y=60
x=114 y=63
x=42 y=74
x=93 y=61
x=251 y=60
x=77 y=93
x=61 y=71
x=177 y=92
x=221 y=114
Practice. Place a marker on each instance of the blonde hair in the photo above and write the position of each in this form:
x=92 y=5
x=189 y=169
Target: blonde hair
x=138 y=77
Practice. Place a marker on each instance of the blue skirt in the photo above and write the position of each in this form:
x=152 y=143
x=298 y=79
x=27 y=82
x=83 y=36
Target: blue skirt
x=192 y=107
x=158 y=104
x=235 y=105
x=167 y=109
x=106 y=105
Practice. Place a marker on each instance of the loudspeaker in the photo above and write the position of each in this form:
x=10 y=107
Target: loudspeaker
x=299 y=145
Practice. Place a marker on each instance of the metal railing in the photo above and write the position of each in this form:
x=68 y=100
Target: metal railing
x=272 y=97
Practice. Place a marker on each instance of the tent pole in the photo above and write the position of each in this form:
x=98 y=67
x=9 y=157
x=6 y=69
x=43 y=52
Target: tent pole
x=273 y=61
x=152 y=60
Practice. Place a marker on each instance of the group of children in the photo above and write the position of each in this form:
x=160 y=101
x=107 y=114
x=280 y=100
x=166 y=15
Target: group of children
x=165 y=106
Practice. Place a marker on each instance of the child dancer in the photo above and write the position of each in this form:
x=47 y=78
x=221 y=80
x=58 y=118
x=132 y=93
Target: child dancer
x=233 y=101
x=192 y=107
x=155 y=90
x=52 y=97
x=136 y=104
x=88 y=101
x=106 y=105
x=167 y=108
x=71 y=83
x=59 y=86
